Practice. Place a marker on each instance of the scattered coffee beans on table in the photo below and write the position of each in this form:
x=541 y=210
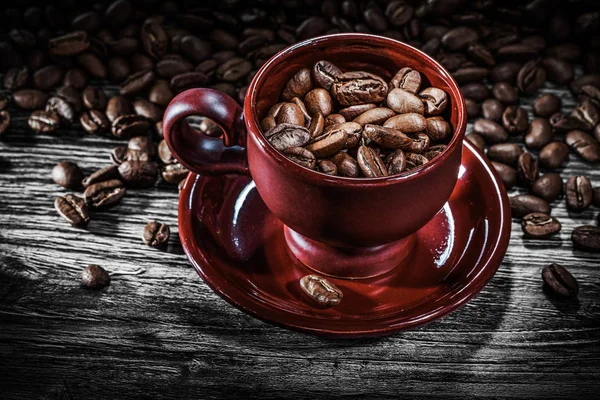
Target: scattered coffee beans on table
x=328 y=118
x=95 y=277
x=321 y=291
x=156 y=234
x=560 y=281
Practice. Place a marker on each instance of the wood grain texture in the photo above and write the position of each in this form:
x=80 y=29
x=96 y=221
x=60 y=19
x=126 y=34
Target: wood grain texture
x=165 y=334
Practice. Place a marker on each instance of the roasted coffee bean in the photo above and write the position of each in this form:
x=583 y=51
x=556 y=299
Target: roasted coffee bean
x=505 y=92
x=71 y=95
x=138 y=174
x=67 y=174
x=523 y=204
x=564 y=123
x=491 y=131
x=587 y=113
x=62 y=108
x=407 y=79
x=102 y=175
x=438 y=128
x=128 y=126
x=47 y=77
x=548 y=187
x=492 y=109
x=321 y=291
x=94 y=121
x=473 y=108
x=346 y=165
x=104 y=194
x=589 y=79
x=505 y=72
x=137 y=82
x=124 y=46
x=236 y=69
x=583 y=145
x=188 y=80
x=44 y=121
x=477 y=140
x=164 y=153
x=92 y=64
x=156 y=234
x=515 y=119
x=553 y=155
x=16 y=78
x=586 y=237
x=30 y=99
x=402 y=101
x=327 y=167
x=560 y=281
x=376 y=116
x=324 y=74
x=531 y=77
x=578 y=191
x=420 y=143
x=298 y=86
x=459 y=38
x=434 y=151
x=301 y=156
x=507 y=174
x=72 y=209
x=160 y=93
x=329 y=143
x=142 y=144
x=116 y=107
x=407 y=123
x=154 y=39
x=284 y=136
x=387 y=137
x=527 y=169
x=4 y=121
x=435 y=100
x=506 y=153
x=558 y=71
x=352 y=112
x=476 y=91
x=168 y=68
x=94 y=98
x=416 y=159
x=174 y=173
x=69 y=44
x=539 y=133
x=148 y=110
x=290 y=113
x=194 y=48
x=538 y=225
x=76 y=78
x=517 y=51
x=118 y=155
x=465 y=75
x=370 y=163
x=95 y=277
x=395 y=162
x=358 y=87
x=546 y=105
x=318 y=101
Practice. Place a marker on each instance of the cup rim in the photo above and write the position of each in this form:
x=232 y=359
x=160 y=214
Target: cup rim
x=251 y=118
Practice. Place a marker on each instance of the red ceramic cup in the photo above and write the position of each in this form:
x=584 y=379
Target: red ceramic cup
x=348 y=227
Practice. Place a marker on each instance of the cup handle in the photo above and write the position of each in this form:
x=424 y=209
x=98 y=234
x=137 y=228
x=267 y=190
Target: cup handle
x=199 y=153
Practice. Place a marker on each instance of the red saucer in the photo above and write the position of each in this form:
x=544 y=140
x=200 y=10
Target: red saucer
x=237 y=246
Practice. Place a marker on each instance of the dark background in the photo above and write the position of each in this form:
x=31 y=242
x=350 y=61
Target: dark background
x=165 y=334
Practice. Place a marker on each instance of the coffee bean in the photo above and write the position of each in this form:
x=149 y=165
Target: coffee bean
x=507 y=174
x=137 y=82
x=128 y=126
x=538 y=225
x=407 y=123
x=298 y=86
x=124 y=46
x=515 y=119
x=564 y=123
x=72 y=209
x=548 y=187
x=62 y=108
x=531 y=77
x=374 y=116
x=138 y=174
x=583 y=145
x=160 y=93
x=358 y=87
x=578 y=191
x=506 y=153
x=301 y=156
x=156 y=234
x=505 y=72
x=95 y=277
x=327 y=167
x=395 y=162
x=104 y=194
x=194 y=48
x=102 y=175
x=352 y=112
x=523 y=204
x=589 y=79
x=438 y=128
x=154 y=39
x=560 y=281
x=4 y=121
x=187 y=80
x=71 y=96
x=321 y=291
x=346 y=165
x=94 y=98
x=117 y=106
x=284 y=136
x=477 y=140
x=148 y=110
x=330 y=142
x=387 y=137
x=168 y=68
x=94 y=122
x=558 y=71
x=546 y=105
x=473 y=108
x=407 y=79
x=402 y=101
x=539 y=133
x=505 y=92
x=69 y=44
x=586 y=237
x=30 y=99
x=142 y=144
x=465 y=75
x=67 y=174
x=553 y=155
x=370 y=163
x=311 y=27
x=16 y=78
x=75 y=77
x=527 y=169
x=476 y=91
x=492 y=109
x=174 y=173
x=236 y=69
x=517 y=51
x=324 y=74
x=44 y=121
x=587 y=113
x=92 y=64
x=459 y=38
x=491 y=131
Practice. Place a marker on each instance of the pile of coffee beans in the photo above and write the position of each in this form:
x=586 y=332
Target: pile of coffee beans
x=355 y=124
x=61 y=61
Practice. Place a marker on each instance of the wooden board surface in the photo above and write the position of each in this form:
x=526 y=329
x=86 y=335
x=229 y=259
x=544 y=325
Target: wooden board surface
x=165 y=334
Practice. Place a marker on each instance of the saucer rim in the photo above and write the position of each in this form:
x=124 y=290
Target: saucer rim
x=270 y=315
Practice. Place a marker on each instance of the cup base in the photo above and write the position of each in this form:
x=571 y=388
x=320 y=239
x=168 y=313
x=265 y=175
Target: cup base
x=349 y=262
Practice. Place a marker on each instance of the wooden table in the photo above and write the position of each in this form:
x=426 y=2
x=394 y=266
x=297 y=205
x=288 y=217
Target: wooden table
x=165 y=334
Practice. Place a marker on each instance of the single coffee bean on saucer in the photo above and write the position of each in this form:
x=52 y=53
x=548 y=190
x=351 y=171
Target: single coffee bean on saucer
x=560 y=281
x=73 y=209
x=67 y=174
x=95 y=277
x=156 y=234
x=578 y=191
x=321 y=291
x=538 y=225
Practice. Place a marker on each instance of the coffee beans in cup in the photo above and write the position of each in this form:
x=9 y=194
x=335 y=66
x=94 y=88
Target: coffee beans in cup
x=356 y=124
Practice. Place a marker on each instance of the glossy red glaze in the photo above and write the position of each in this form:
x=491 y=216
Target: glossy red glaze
x=334 y=210
x=237 y=246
